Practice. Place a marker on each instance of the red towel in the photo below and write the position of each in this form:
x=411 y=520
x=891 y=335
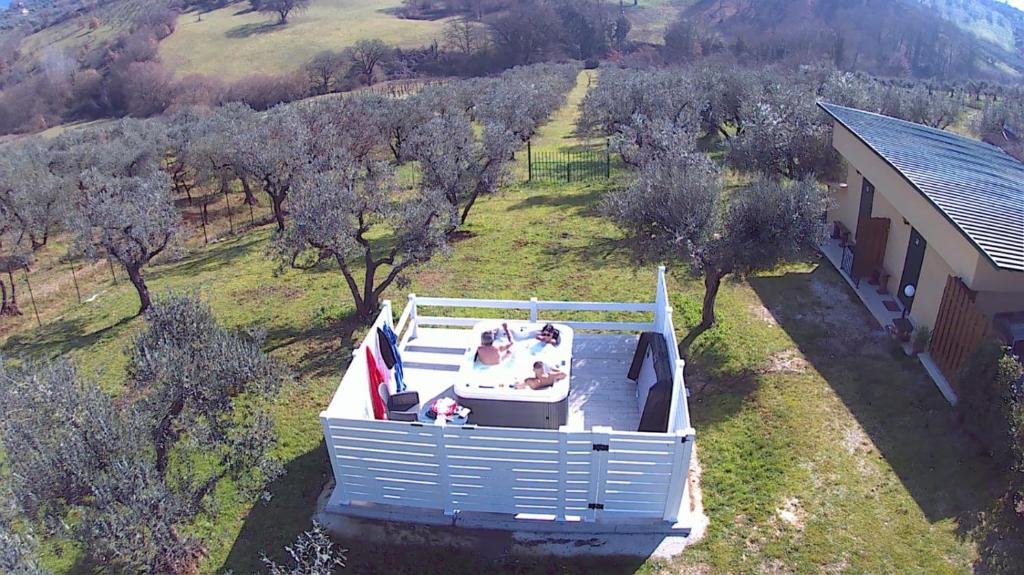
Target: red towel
x=377 y=377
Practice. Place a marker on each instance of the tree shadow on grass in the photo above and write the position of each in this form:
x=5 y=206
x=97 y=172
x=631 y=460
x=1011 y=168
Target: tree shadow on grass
x=319 y=350
x=252 y=29
x=272 y=525
x=223 y=255
x=586 y=202
x=893 y=400
x=62 y=336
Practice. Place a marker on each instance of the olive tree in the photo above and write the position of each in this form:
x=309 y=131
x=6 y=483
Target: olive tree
x=134 y=472
x=675 y=209
x=646 y=113
x=130 y=219
x=784 y=133
x=222 y=146
x=30 y=192
x=459 y=166
x=274 y=151
x=725 y=90
x=921 y=105
x=19 y=550
x=352 y=216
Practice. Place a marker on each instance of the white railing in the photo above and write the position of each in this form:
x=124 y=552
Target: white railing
x=594 y=475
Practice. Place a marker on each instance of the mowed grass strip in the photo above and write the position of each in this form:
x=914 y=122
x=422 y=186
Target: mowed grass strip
x=233 y=41
x=823 y=448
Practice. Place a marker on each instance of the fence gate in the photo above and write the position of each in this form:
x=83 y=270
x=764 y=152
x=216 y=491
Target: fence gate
x=568 y=166
x=959 y=328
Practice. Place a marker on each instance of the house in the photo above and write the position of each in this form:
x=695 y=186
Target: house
x=929 y=227
x=605 y=450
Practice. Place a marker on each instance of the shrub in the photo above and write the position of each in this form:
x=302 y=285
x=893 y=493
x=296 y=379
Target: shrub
x=991 y=403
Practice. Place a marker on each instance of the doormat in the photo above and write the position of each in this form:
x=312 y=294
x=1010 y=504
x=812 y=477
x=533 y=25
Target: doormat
x=891 y=305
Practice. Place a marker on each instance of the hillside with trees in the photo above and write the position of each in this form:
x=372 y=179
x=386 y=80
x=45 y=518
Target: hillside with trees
x=900 y=38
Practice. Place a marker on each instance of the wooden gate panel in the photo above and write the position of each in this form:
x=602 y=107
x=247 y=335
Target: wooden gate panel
x=959 y=328
x=872 y=237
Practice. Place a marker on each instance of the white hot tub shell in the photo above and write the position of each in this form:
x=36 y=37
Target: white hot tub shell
x=490 y=390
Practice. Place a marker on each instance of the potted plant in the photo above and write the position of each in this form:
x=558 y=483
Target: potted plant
x=922 y=336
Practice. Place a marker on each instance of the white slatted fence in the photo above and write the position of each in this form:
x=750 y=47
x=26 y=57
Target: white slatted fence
x=554 y=474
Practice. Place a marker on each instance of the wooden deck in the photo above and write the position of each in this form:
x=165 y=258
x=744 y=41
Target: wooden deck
x=599 y=392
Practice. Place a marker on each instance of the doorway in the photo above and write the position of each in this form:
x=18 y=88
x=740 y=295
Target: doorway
x=912 y=267
x=867 y=201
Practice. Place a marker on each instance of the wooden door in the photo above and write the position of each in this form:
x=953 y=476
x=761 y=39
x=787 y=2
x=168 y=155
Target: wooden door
x=869 y=253
x=912 y=266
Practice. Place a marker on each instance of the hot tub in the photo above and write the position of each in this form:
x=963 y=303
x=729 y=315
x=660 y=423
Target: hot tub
x=490 y=392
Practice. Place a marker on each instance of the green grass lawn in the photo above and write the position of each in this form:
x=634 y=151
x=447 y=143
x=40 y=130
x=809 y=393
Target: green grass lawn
x=824 y=450
x=232 y=42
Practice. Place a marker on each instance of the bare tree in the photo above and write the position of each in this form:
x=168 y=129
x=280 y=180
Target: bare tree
x=463 y=35
x=524 y=33
x=324 y=70
x=368 y=55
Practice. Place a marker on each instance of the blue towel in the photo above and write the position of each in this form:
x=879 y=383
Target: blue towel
x=388 y=342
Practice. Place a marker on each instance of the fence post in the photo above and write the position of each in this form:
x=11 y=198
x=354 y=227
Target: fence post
x=32 y=297
x=599 y=437
x=74 y=277
x=533 y=309
x=568 y=170
x=680 y=475
x=412 y=317
x=529 y=161
x=660 y=301
x=386 y=307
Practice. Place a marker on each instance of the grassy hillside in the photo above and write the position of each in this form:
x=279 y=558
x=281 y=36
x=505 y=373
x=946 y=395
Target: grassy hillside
x=75 y=34
x=233 y=41
x=824 y=449
x=989 y=20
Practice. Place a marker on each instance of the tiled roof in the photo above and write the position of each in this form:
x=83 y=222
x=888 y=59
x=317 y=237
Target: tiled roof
x=978 y=187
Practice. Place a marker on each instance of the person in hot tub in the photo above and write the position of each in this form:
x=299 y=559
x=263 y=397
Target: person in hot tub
x=490 y=354
x=549 y=334
x=542 y=377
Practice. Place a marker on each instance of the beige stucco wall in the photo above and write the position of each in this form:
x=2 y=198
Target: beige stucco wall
x=932 y=283
x=846 y=202
x=993 y=302
x=989 y=278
